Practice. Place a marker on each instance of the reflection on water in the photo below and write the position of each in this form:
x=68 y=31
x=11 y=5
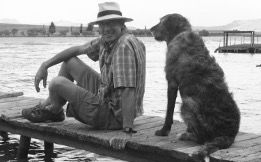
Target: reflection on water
x=21 y=57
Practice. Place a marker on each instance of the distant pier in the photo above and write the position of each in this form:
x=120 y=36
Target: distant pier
x=250 y=47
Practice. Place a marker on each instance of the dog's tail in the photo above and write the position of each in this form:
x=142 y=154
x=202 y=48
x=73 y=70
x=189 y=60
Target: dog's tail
x=217 y=143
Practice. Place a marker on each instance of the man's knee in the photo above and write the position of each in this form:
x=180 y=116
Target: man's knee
x=57 y=83
x=75 y=68
x=72 y=60
x=69 y=63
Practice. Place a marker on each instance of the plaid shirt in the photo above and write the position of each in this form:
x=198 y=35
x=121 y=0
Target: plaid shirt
x=122 y=64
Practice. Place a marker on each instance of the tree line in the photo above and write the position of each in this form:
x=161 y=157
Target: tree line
x=52 y=30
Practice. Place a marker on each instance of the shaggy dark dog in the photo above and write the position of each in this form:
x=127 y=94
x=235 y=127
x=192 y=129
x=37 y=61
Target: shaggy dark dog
x=208 y=109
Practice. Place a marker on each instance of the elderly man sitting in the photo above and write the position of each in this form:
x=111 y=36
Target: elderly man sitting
x=109 y=100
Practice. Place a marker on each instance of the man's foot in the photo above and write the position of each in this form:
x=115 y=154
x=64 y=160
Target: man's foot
x=39 y=113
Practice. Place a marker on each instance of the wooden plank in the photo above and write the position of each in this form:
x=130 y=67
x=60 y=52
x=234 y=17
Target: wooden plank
x=10 y=94
x=143 y=117
x=248 y=154
x=147 y=120
x=245 y=136
x=166 y=145
x=14 y=99
x=77 y=142
x=177 y=127
x=18 y=106
x=256 y=157
x=240 y=149
x=100 y=137
x=143 y=145
x=4 y=96
x=246 y=143
x=84 y=134
x=244 y=154
x=146 y=132
x=14 y=110
x=22 y=102
x=148 y=125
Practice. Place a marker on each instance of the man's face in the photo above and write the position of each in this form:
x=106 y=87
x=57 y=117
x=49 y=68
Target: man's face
x=110 y=30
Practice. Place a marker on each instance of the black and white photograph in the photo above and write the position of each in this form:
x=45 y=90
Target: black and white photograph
x=130 y=81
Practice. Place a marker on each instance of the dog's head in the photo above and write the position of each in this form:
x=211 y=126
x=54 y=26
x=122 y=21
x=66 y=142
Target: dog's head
x=169 y=26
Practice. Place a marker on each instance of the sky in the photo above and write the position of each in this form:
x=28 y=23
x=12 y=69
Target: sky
x=145 y=13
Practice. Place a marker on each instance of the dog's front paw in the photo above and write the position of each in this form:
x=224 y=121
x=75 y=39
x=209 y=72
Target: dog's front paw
x=162 y=132
x=186 y=137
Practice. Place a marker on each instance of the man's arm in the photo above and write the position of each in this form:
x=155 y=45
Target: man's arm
x=124 y=70
x=63 y=56
x=88 y=48
x=91 y=49
x=128 y=103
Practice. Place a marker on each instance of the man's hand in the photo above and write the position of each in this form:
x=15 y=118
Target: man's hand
x=41 y=74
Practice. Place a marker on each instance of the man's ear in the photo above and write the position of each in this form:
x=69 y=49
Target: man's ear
x=123 y=28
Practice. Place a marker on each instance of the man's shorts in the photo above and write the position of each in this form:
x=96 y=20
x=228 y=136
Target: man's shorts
x=87 y=107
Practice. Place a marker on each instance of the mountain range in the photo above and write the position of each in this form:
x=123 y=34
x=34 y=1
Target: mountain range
x=254 y=24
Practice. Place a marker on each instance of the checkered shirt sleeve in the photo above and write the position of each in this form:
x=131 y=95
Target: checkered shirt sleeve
x=92 y=49
x=124 y=66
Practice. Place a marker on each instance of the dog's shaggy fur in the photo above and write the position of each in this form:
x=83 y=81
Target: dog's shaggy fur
x=208 y=109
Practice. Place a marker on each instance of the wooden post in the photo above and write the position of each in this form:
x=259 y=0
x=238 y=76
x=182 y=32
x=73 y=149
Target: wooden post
x=226 y=39
x=4 y=135
x=23 y=147
x=48 y=150
x=253 y=38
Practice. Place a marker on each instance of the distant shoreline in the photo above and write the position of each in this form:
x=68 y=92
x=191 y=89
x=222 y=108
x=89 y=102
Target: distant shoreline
x=59 y=36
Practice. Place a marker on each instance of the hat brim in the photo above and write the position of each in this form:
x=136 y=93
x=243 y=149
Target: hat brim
x=110 y=17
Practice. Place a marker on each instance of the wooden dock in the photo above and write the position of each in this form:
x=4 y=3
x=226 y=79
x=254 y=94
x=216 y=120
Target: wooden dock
x=250 y=47
x=240 y=48
x=142 y=146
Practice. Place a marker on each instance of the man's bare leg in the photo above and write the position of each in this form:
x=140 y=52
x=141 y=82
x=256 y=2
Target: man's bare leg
x=62 y=88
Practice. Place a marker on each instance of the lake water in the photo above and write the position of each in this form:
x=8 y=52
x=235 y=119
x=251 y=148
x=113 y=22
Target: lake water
x=21 y=57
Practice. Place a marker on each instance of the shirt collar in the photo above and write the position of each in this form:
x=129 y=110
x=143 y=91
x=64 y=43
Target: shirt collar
x=109 y=45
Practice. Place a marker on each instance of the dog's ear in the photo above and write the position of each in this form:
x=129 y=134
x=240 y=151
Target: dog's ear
x=175 y=24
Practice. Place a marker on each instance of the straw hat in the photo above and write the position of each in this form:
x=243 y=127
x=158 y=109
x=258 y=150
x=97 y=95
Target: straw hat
x=109 y=11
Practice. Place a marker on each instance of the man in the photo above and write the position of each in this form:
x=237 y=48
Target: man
x=110 y=100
